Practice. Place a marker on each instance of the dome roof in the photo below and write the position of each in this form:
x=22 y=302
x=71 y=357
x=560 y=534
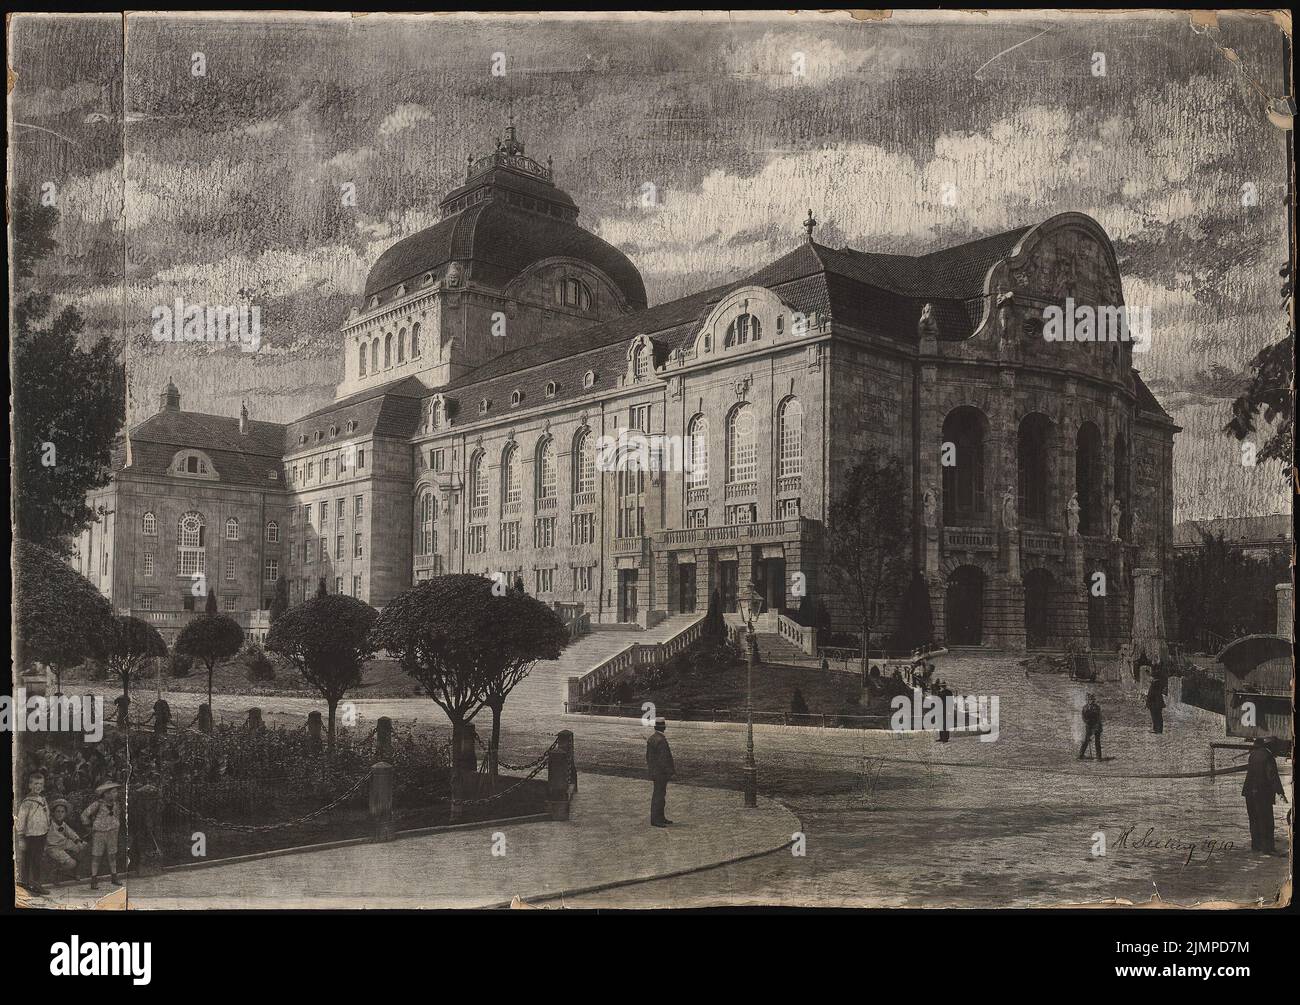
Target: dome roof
x=508 y=216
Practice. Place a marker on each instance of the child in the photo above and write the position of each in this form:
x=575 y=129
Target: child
x=104 y=818
x=32 y=828
x=63 y=847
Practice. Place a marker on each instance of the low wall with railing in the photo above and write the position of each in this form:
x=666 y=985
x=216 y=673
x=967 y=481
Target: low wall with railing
x=636 y=656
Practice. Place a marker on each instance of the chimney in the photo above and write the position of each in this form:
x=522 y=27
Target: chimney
x=243 y=419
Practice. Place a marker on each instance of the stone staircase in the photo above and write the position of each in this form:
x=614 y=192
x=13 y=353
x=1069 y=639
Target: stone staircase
x=774 y=648
x=544 y=690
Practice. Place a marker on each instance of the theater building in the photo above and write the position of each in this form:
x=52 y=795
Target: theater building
x=494 y=356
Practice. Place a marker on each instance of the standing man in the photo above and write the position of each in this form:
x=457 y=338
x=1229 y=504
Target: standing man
x=1261 y=785
x=944 y=694
x=659 y=761
x=1156 y=704
x=1092 y=726
x=32 y=827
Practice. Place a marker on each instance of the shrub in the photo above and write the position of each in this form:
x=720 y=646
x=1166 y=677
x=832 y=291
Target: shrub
x=179 y=665
x=96 y=669
x=258 y=666
x=714 y=655
x=797 y=704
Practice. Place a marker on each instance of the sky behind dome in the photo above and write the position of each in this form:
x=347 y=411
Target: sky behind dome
x=903 y=135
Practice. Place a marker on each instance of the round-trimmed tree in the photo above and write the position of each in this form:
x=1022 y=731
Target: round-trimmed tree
x=127 y=644
x=210 y=638
x=328 y=638
x=61 y=619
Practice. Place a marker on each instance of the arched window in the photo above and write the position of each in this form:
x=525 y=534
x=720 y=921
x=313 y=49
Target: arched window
x=512 y=488
x=546 y=470
x=744 y=329
x=415 y=340
x=374 y=356
x=232 y=529
x=1088 y=477
x=428 y=514
x=149 y=524
x=190 y=556
x=742 y=453
x=1033 y=469
x=963 y=478
x=388 y=351
x=641 y=362
x=478 y=489
x=401 y=346
x=573 y=293
x=697 y=453
x=361 y=360
x=272 y=532
x=790 y=439
x=584 y=464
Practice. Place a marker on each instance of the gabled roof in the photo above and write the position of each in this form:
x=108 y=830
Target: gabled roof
x=240 y=458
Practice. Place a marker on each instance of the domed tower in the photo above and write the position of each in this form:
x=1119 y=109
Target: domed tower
x=506 y=266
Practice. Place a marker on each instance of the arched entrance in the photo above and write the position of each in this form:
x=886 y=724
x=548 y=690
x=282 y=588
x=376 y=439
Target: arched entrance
x=1040 y=588
x=964 y=609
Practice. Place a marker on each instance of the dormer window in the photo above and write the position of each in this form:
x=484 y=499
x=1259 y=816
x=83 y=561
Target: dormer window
x=742 y=330
x=516 y=397
x=550 y=389
x=570 y=292
x=352 y=425
x=319 y=436
x=271 y=476
x=641 y=362
x=302 y=438
x=483 y=407
x=589 y=379
x=334 y=431
x=193 y=463
x=374 y=302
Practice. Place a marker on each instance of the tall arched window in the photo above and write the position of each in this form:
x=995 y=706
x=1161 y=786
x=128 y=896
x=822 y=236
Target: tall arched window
x=415 y=340
x=584 y=464
x=546 y=470
x=1033 y=469
x=512 y=489
x=272 y=532
x=149 y=524
x=697 y=454
x=790 y=439
x=641 y=362
x=388 y=351
x=428 y=516
x=573 y=293
x=964 y=429
x=374 y=356
x=401 y=346
x=478 y=489
x=190 y=555
x=361 y=360
x=744 y=329
x=1088 y=478
x=232 y=529
x=742 y=453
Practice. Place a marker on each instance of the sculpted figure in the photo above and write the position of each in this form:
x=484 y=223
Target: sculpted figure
x=929 y=506
x=1072 y=515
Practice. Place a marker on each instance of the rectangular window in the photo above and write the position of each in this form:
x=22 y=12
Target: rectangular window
x=103 y=565
x=311 y=470
x=145 y=602
x=356 y=586
x=324 y=466
x=148 y=563
x=323 y=511
x=324 y=549
x=308 y=555
x=582 y=578
x=697 y=518
x=510 y=535
x=338 y=550
x=270 y=570
x=230 y=568
x=545 y=580
x=306 y=514
x=582 y=528
x=476 y=540
x=190 y=561
x=361 y=458
x=639 y=417
x=293 y=517
x=229 y=603
x=359 y=508
x=436 y=460
x=544 y=532
x=339 y=509
x=788 y=509
x=338 y=584
x=742 y=514
x=356 y=545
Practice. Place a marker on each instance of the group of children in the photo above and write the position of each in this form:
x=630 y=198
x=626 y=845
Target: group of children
x=45 y=835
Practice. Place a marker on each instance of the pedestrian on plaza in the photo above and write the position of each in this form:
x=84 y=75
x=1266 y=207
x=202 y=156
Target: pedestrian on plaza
x=104 y=818
x=659 y=762
x=1156 y=704
x=1092 y=726
x=1261 y=785
x=64 y=847
x=944 y=693
x=32 y=827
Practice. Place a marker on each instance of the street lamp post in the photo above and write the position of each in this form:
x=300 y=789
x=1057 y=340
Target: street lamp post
x=750 y=770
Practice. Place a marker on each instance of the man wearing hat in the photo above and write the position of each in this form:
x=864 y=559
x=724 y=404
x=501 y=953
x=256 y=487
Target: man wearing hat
x=1261 y=785
x=32 y=826
x=104 y=817
x=659 y=761
x=1092 y=726
x=64 y=847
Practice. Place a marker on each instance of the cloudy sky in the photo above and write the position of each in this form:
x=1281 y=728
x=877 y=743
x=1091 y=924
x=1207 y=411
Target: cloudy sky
x=225 y=187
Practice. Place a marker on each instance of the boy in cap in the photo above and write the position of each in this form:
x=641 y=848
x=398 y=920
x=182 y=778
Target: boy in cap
x=104 y=817
x=32 y=827
x=63 y=846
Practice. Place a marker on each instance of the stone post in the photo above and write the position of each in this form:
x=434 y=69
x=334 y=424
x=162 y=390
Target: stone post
x=381 y=801
x=559 y=775
x=384 y=739
x=254 y=723
x=205 y=718
x=314 y=732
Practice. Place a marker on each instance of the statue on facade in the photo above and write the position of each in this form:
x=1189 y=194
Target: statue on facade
x=1116 y=513
x=929 y=508
x=1006 y=319
x=927 y=326
x=455 y=274
x=1072 y=515
x=1009 y=510
x=1134 y=525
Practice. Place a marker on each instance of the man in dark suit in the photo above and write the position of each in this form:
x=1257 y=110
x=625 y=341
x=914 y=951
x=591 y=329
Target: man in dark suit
x=659 y=762
x=1261 y=785
x=1156 y=703
x=1092 y=726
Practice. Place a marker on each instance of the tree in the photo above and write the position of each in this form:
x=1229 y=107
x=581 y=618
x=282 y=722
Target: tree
x=1271 y=391
x=915 y=619
x=867 y=534
x=68 y=401
x=61 y=619
x=321 y=591
x=126 y=646
x=210 y=605
x=280 y=599
x=209 y=638
x=527 y=631
x=1217 y=589
x=328 y=640
x=714 y=625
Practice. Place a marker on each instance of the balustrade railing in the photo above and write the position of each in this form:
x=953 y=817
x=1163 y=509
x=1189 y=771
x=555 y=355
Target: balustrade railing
x=634 y=657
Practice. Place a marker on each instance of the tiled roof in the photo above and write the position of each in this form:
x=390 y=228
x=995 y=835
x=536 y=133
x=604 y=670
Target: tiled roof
x=240 y=458
x=391 y=409
x=1146 y=401
x=500 y=241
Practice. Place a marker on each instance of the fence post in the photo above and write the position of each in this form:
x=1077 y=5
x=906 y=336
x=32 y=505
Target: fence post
x=314 y=732
x=381 y=801
x=384 y=739
x=559 y=770
x=254 y=720
x=565 y=738
x=205 y=718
